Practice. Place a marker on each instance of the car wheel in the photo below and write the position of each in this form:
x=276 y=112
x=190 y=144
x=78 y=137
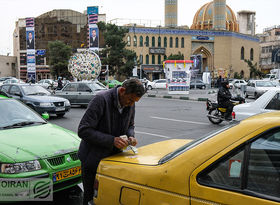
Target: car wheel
x=150 y=87
x=203 y=87
x=60 y=114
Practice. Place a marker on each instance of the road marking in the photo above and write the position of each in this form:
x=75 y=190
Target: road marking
x=175 y=120
x=157 y=135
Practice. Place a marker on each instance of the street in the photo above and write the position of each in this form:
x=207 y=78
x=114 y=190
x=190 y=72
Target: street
x=156 y=119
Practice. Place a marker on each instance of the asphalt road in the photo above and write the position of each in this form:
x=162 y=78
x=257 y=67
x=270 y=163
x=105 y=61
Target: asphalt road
x=156 y=119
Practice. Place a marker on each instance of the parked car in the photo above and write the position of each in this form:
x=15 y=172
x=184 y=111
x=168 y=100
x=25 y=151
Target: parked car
x=197 y=84
x=12 y=80
x=268 y=102
x=2 y=79
x=48 y=83
x=256 y=88
x=112 y=83
x=238 y=164
x=38 y=98
x=80 y=93
x=32 y=148
x=148 y=84
x=237 y=83
x=161 y=83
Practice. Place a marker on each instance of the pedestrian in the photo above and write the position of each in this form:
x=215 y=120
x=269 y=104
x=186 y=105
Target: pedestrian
x=110 y=114
x=219 y=81
x=59 y=83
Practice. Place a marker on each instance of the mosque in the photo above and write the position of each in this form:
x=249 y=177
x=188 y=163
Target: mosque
x=219 y=39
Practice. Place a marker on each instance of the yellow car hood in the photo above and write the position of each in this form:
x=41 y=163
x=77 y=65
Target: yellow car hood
x=150 y=154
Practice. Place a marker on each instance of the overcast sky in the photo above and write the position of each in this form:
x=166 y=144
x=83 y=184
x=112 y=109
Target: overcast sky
x=267 y=12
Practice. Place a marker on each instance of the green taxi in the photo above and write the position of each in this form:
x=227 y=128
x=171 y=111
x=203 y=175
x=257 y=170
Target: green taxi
x=30 y=147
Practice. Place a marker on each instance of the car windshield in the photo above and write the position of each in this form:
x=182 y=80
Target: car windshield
x=195 y=143
x=34 y=90
x=97 y=86
x=264 y=84
x=14 y=114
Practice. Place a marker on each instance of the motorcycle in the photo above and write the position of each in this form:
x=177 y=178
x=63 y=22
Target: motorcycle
x=216 y=113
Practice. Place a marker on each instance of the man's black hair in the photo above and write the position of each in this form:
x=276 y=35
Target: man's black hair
x=134 y=86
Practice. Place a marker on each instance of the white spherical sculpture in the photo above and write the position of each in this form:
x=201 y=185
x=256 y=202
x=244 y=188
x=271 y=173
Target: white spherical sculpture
x=85 y=65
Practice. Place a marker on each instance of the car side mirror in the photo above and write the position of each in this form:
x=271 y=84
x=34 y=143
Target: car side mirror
x=45 y=116
x=89 y=90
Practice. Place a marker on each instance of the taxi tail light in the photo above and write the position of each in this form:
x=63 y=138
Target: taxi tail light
x=233 y=115
x=95 y=188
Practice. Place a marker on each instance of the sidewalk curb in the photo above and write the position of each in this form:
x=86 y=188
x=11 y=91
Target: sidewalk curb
x=177 y=97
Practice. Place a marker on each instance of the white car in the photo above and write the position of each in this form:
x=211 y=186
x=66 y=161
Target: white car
x=161 y=83
x=237 y=83
x=149 y=85
x=268 y=102
x=256 y=88
x=47 y=83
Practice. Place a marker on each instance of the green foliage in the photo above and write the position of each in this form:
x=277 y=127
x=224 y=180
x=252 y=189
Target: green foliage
x=254 y=72
x=178 y=56
x=236 y=75
x=58 y=55
x=121 y=61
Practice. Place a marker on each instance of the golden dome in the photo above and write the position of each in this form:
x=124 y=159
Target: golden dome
x=203 y=19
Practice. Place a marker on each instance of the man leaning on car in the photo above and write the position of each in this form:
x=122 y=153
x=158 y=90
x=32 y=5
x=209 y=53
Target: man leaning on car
x=109 y=115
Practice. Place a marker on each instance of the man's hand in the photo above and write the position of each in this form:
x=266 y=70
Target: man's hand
x=120 y=143
x=132 y=141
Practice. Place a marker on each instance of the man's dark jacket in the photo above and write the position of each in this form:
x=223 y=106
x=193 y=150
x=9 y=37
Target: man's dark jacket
x=102 y=122
x=224 y=96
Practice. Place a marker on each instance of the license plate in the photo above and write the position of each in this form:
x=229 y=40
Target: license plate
x=59 y=108
x=65 y=174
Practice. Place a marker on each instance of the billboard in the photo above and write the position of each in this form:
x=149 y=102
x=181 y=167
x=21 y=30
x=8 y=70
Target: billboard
x=30 y=49
x=178 y=76
x=93 y=28
x=197 y=65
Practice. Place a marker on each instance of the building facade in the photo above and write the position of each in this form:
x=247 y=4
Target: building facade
x=8 y=65
x=269 y=42
x=220 y=50
x=68 y=26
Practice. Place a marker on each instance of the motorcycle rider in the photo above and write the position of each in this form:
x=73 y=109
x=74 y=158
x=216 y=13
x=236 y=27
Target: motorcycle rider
x=224 y=97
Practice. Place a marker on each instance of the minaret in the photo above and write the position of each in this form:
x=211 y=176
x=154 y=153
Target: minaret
x=171 y=13
x=219 y=15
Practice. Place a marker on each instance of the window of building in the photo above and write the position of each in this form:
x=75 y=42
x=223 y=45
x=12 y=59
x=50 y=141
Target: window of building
x=182 y=42
x=153 y=42
x=159 y=59
x=170 y=42
x=134 y=41
x=252 y=54
x=159 y=41
x=242 y=53
x=141 y=59
x=177 y=42
x=128 y=41
x=153 y=59
x=165 y=42
x=147 y=59
x=141 y=41
x=147 y=41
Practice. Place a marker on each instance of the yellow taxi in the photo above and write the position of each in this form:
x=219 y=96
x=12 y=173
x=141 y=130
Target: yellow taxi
x=239 y=164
